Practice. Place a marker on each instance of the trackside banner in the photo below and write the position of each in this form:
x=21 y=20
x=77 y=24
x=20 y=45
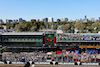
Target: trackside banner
x=65 y=63
x=90 y=63
x=42 y=62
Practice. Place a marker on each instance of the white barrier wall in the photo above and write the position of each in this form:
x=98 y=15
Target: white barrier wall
x=66 y=63
x=59 y=63
x=90 y=63
x=1 y=62
x=19 y=62
x=42 y=62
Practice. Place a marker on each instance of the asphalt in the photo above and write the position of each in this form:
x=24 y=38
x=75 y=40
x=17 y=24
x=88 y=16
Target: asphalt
x=63 y=66
x=12 y=65
x=22 y=65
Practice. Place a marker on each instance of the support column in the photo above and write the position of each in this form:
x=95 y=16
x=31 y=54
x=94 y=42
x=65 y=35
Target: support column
x=62 y=58
x=56 y=59
x=67 y=59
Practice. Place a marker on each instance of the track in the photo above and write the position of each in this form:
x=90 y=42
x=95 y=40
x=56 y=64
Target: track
x=22 y=65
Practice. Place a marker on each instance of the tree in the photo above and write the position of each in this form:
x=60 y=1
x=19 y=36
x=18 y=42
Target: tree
x=68 y=28
x=28 y=26
x=91 y=29
x=81 y=27
x=95 y=27
x=33 y=28
x=20 y=27
x=55 y=26
x=1 y=27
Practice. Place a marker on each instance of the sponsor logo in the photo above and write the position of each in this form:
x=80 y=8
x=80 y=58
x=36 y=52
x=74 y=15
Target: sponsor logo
x=90 y=63
x=67 y=63
x=42 y=62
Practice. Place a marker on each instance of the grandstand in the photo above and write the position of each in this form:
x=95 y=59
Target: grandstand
x=50 y=46
x=22 y=41
x=79 y=42
x=50 y=41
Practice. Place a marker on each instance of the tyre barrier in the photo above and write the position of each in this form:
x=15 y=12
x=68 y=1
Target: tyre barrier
x=75 y=63
x=27 y=65
x=10 y=62
x=5 y=62
x=56 y=63
x=51 y=63
x=32 y=62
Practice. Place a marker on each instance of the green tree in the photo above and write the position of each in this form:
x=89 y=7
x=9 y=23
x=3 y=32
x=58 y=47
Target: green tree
x=33 y=28
x=96 y=27
x=82 y=27
x=55 y=26
x=68 y=28
x=1 y=27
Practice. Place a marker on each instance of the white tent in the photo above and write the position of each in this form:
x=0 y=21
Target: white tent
x=49 y=53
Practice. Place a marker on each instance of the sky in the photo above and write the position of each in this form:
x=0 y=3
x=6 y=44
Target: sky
x=34 y=9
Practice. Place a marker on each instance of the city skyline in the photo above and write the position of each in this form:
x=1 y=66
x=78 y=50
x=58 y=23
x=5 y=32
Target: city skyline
x=35 y=9
x=62 y=19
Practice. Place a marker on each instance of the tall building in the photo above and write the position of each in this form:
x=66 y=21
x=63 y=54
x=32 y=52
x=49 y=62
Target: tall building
x=99 y=18
x=8 y=21
x=37 y=19
x=85 y=19
x=41 y=19
x=77 y=20
x=50 y=19
x=64 y=19
x=85 y=16
x=58 y=20
x=45 y=20
x=32 y=20
x=92 y=19
x=1 y=21
x=15 y=21
x=81 y=20
x=20 y=20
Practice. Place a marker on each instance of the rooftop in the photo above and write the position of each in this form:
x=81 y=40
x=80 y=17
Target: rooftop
x=22 y=33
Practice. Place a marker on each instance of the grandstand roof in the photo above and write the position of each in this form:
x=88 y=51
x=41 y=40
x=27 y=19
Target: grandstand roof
x=47 y=30
x=87 y=34
x=22 y=33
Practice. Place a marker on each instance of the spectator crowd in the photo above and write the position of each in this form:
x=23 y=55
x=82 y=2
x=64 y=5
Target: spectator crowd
x=78 y=36
x=64 y=56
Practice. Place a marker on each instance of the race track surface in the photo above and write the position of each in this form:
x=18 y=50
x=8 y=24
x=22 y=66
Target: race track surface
x=22 y=65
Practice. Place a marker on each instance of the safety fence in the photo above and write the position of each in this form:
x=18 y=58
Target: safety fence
x=51 y=63
x=69 y=59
